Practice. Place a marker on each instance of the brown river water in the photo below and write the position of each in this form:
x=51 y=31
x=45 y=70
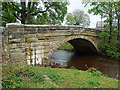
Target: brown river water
x=108 y=67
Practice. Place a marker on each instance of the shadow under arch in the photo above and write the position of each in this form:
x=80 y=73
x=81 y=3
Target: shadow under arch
x=82 y=45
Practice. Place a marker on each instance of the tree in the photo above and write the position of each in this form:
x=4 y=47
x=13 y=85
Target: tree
x=105 y=9
x=110 y=11
x=117 y=11
x=52 y=17
x=78 y=17
x=7 y=14
x=26 y=11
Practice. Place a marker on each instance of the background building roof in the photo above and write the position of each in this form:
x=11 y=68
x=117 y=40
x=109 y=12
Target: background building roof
x=100 y=24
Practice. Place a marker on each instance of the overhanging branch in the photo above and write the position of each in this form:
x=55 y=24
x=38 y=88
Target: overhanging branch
x=16 y=7
x=16 y=16
x=42 y=11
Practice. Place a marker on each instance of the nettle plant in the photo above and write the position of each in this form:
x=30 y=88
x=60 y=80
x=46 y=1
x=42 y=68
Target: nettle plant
x=94 y=72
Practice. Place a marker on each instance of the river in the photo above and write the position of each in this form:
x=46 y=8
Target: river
x=108 y=66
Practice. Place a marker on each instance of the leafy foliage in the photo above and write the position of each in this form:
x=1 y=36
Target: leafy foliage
x=94 y=72
x=26 y=12
x=66 y=46
x=7 y=14
x=110 y=41
x=109 y=49
x=55 y=16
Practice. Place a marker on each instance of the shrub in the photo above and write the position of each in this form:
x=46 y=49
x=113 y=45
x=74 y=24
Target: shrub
x=72 y=67
x=94 y=72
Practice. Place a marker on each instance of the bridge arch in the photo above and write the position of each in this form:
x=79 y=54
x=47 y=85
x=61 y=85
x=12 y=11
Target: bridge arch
x=38 y=42
x=87 y=44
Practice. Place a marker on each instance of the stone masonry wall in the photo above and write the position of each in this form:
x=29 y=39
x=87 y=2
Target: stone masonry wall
x=5 y=48
x=33 y=43
x=16 y=41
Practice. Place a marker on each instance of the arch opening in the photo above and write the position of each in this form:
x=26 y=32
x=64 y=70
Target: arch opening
x=83 y=46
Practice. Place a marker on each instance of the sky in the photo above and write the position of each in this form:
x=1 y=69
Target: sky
x=76 y=4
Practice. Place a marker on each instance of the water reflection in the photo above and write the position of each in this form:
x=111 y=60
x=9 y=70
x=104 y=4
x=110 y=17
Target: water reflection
x=109 y=67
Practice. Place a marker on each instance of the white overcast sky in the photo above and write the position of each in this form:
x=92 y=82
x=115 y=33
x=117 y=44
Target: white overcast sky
x=76 y=4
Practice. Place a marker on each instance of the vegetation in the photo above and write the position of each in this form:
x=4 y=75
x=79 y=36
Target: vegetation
x=109 y=49
x=78 y=17
x=24 y=76
x=66 y=46
x=25 y=12
x=110 y=45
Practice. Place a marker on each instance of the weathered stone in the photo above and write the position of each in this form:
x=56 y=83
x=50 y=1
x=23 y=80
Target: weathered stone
x=36 y=42
x=18 y=50
x=17 y=55
x=31 y=39
x=30 y=35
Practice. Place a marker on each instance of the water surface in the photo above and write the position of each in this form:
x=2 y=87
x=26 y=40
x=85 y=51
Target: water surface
x=108 y=66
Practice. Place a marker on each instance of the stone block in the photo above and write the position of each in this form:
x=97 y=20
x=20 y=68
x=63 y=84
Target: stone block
x=17 y=56
x=16 y=36
x=36 y=44
x=17 y=41
x=31 y=39
x=43 y=34
x=18 y=50
x=17 y=45
x=30 y=35
x=43 y=38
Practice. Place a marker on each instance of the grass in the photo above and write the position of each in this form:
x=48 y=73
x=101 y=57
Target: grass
x=66 y=46
x=24 y=76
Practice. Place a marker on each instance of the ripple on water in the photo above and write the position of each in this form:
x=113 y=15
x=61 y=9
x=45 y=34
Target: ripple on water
x=108 y=66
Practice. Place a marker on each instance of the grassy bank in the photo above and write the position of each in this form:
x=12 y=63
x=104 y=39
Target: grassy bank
x=66 y=46
x=23 y=76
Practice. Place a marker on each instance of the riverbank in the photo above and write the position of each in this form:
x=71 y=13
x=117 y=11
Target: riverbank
x=24 y=76
x=66 y=46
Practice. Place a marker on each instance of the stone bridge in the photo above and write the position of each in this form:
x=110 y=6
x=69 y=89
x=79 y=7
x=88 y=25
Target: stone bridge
x=34 y=43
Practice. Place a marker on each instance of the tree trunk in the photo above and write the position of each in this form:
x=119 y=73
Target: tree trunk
x=110 y=22
x=118 y=34
x=28 y=12
x=23 y=13
x=118 y=37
